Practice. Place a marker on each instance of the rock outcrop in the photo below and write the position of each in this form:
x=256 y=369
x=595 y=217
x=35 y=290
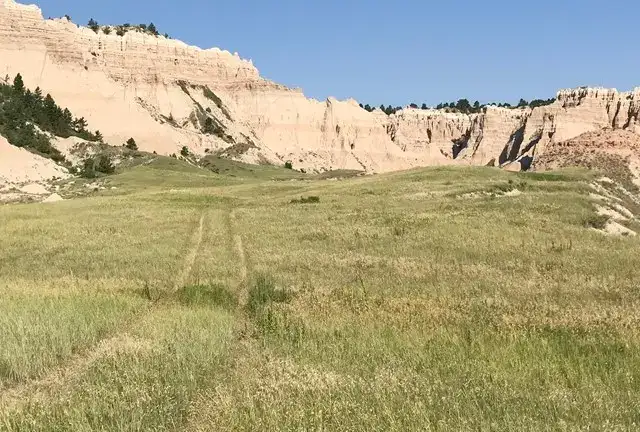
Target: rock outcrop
x=167 y=95
x=19 y=166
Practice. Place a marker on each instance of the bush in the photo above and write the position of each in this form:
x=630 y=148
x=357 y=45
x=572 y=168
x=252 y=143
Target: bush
x=306 y=200
x=185 y=151
x=596 y=221
x=106 y=30
x=262 y=292
x=288 y=165
x=93 y=25
x=97 y=165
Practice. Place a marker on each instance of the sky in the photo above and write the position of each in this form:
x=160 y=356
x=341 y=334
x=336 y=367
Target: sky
x=402 y=51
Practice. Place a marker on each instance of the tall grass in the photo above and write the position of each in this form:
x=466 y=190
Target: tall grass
x=395 y=304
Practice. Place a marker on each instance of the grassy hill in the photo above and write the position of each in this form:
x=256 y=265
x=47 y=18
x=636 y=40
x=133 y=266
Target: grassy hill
x=444 y=299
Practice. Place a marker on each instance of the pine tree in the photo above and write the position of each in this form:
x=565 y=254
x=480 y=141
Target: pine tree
x=79 y=124
x=131 y=144
x=18 y=84
x=424 y=106
x=152 y=29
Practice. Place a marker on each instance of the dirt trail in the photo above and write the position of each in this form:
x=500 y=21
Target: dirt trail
x=237 y=242
x=196 y=240
x=64 y=375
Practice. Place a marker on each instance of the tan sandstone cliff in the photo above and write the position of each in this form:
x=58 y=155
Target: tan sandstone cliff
x=163 y=92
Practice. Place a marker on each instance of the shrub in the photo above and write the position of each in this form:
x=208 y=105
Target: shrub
x=399 y=230
x=262 y=292
x=288 y=165
x=212 y=128
x=120 y=31
x=106 y=30
x=596 y=221
x=131 y=144
x=306 y=200
x=93 y=25
x=97 y=165
x=185 y=151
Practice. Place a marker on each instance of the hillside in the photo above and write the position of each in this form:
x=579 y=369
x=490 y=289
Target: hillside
x=167 y=95
x=616 y=153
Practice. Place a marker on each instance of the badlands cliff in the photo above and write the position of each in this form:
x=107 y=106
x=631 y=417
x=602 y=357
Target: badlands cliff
x=167 y=94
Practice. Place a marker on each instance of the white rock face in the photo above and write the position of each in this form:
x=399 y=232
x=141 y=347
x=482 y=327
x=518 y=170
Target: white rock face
x=53 y=198
x=18 y=166
x=161 y=92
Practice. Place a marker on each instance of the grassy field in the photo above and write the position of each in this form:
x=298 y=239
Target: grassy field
x=442 y=299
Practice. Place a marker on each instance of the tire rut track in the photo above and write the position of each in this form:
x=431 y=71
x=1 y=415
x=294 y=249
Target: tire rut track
x=39 y=389
x=242 y=257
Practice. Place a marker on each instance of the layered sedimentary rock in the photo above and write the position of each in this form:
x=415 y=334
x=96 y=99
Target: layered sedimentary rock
x=167 y=94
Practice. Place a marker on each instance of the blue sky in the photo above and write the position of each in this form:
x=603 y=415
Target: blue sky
x=402 y=51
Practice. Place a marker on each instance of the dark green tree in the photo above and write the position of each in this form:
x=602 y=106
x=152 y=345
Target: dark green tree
x=152 y=29
x=185 y=151
x=463 y=106
x=131 y=144
x=18 y=84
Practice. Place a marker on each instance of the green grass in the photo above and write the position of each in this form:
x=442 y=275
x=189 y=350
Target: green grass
x=420 y=300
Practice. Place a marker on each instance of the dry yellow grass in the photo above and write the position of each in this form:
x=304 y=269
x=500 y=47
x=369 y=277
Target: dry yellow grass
x=390 y=304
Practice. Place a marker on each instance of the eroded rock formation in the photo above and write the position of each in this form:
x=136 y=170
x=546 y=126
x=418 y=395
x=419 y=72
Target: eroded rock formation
x=167 y=94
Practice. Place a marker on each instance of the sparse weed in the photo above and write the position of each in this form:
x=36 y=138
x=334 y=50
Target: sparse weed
x=262 y=292
x=207 y=295
x=596 y=221
x=306 y=200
